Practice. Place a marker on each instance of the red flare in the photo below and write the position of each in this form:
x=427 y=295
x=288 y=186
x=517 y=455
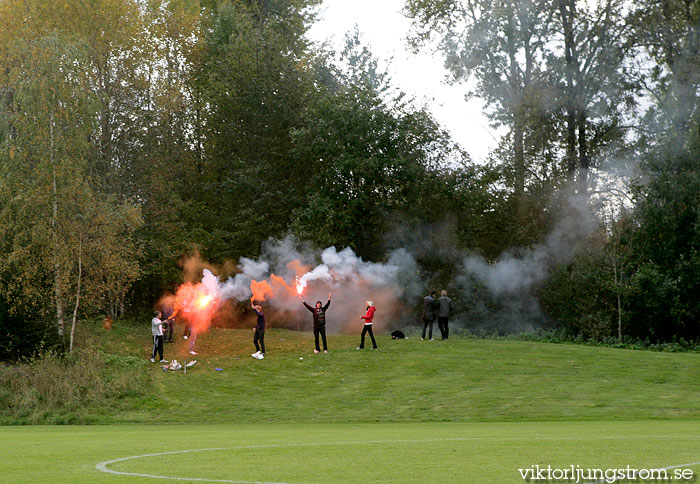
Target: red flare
x=300 y=286
x=204 y=301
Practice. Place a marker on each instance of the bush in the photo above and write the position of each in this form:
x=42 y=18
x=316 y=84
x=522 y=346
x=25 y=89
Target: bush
x=53 y=388
x=22 y=336
x=580 y=296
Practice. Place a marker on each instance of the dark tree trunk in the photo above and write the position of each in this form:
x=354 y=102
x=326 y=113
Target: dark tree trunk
x=584 y=161
x=570 y=89
x=516 y=89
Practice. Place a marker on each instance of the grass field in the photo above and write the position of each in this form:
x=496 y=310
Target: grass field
x=340 y=453
x=404 y=381
x=414 y=411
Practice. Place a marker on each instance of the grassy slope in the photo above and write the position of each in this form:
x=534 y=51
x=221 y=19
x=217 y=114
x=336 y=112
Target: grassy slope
x=409 y=380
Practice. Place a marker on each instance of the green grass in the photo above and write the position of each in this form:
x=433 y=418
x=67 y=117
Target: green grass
x=466 y=410
x=341 y=453
x=408 y=380
x=462 y=380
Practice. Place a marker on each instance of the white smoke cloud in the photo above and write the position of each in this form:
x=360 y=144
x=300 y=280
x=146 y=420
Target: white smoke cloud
x=346 y=266
x=343 y=263
x=210 y=282
x=510 y=275
x=236 y=288
x=319 y=272
x=508 y=299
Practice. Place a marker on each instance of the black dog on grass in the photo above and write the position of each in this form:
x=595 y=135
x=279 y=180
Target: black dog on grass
x=397 y=335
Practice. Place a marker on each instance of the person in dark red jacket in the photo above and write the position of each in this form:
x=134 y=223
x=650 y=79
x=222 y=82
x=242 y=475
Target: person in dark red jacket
x=368 y=326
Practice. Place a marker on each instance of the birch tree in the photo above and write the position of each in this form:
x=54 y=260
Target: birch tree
x=50 y=202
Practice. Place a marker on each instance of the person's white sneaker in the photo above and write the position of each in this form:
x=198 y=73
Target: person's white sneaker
x=422 y=339
x=192 y=352
x=184 y=337
x=163 y=361
x=255 y=355
x=325 y=351
x=358 y=348
x=431 y=339
x=261 y=356
x=153 y=360
x=316 y=351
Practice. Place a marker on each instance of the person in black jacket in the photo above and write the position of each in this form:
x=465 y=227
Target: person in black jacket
x=429 y=306
x=319 y=314
x=444 y=309
x=259 y=331
x=169 y=320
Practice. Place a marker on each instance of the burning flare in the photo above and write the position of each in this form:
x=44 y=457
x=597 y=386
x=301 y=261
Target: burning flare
x=301 y=285
x=204 y=301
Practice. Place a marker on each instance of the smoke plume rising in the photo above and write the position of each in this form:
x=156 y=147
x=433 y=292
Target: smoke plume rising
x=503 y=294
x=499 y=296
x=271 y=281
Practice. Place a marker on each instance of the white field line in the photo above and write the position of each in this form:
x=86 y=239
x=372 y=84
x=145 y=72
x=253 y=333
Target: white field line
x=102 y=466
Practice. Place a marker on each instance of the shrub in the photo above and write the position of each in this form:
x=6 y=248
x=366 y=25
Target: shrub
x=53 y=388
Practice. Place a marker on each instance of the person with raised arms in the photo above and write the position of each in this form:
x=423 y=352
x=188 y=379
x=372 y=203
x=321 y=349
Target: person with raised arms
x=319 y=315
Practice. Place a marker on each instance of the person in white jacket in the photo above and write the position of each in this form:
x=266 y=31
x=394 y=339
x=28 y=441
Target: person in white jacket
x=157 y=330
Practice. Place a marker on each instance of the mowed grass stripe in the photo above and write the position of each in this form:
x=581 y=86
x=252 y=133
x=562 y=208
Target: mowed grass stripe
x=324 y=453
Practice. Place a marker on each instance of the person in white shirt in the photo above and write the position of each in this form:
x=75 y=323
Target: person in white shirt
x=157 y=330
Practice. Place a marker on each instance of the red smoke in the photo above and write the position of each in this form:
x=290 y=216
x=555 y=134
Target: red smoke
x=195 y=306
x=276 y=287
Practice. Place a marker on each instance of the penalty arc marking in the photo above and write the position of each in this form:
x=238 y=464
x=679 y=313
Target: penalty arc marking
x=102 y=466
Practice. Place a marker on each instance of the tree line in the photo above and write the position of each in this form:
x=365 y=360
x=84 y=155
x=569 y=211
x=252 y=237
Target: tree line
x=589 y=92
x=135 y=132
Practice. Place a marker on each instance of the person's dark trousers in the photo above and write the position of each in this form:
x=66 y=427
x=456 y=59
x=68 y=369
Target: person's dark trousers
x=427 y=324
x=188 y=331
x=444 y=328
x=368 y=329
x=259 y=336
x=157 y=346
x=322 y=331
x=171 y=330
